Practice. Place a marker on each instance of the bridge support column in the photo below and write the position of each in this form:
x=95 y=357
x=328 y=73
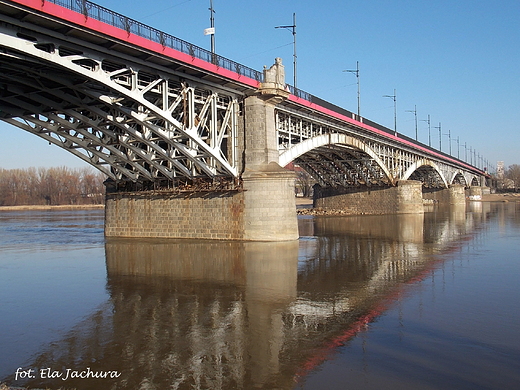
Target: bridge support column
x=455 y=194
x=405 y=198
x=269 y=205
x=475 y=193
x=269 y=200
x=409 y=197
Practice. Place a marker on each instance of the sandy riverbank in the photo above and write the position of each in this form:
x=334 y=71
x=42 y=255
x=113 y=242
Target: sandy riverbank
x=303 y=203
x=509 y=197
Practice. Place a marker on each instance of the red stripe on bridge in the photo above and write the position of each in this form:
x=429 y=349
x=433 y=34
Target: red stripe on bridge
x=115 y=32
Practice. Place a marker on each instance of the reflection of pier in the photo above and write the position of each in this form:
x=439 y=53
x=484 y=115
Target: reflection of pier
x=225 y=315
x=209 y=307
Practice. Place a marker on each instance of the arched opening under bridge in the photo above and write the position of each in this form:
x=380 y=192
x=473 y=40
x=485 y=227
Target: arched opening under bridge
x=338 y=160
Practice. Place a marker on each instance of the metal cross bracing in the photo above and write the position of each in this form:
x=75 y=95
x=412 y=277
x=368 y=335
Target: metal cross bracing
x=338 y=154
x=132 y=121
x=142 y=118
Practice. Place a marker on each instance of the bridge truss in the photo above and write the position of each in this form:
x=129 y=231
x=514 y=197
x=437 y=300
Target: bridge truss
x=140 y=117
x=337 y=154
x=132 y=122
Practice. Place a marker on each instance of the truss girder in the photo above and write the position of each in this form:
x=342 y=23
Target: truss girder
x=131 y=122
x=361 y=158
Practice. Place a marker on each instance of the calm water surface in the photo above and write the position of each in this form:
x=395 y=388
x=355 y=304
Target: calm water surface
x=386 y=302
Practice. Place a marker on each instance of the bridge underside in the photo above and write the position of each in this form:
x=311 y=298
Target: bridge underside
x=429 y=177
x=339 y=155
x=139 y=122
x=343 y=166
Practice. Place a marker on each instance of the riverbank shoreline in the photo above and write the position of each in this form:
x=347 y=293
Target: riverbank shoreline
x=304 y=205
x=301 y=203
x=46 y=207
x=506 y=197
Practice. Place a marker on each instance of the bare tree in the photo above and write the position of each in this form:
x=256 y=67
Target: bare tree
x=304 y=182
x=513 y=173
x=52 y=186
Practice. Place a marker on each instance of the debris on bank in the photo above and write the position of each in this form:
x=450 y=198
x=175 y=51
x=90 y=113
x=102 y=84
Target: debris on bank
x=321 y=212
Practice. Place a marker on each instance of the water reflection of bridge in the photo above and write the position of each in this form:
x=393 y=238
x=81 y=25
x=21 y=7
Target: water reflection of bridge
x=224 y=315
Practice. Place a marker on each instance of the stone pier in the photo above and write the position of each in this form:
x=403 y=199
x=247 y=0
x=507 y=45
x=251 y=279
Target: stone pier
x=263 y=209
x=476 y=192
x=405 y=198
x=455 y=194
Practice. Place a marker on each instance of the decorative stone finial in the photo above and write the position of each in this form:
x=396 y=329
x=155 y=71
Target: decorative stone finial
x=273 y=86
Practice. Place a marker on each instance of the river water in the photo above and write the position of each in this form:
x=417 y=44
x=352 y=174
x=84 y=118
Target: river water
x=371 y=302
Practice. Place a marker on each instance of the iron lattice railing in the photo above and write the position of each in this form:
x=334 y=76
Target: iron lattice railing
x=131 y=26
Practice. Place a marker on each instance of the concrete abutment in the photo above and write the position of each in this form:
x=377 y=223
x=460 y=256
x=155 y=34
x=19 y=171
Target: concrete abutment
x=264 y=211
x=453 y=195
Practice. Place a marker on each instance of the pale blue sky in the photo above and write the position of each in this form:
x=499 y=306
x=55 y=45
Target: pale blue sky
x=458 y=61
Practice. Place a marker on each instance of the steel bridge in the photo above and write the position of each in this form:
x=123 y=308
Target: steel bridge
x=150 y=109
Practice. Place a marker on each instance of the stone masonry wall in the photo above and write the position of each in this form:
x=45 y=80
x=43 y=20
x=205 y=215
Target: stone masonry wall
x=453 y=195
x=209 y=216
x=378 y=201
x=405 y=198
x=270 y=206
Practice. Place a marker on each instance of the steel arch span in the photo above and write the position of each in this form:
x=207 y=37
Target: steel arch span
x=337 y=159
x=131 y=121
x=426 y=171
x=338 y=153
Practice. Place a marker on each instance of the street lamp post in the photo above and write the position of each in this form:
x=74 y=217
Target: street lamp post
x=440 y=136
x=356 y=72
x=429 y=130
x=293 y=30
x=415 y=113
x=449 y=140
x=394 y=97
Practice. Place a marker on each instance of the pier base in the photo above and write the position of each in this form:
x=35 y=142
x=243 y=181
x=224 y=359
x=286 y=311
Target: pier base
x=476 y=192
x=405 y=198
x=269 y=205
x=453 y=195
x=264 y=210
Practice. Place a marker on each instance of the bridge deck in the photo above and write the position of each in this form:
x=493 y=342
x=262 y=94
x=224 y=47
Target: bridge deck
x=96 y=25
